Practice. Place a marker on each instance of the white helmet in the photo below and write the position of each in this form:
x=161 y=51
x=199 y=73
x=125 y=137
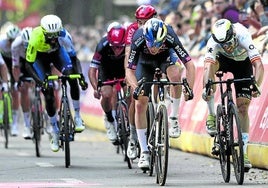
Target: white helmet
x=12 y=31
x=51 y=24
x=25 y=34
x=222 y=31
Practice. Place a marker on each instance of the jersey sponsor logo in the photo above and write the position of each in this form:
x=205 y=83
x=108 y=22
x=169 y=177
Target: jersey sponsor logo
x=131 y=56
x=251 y=46
x=138 y=41
x=210 y=50
x=170 y=39
x=180 y=51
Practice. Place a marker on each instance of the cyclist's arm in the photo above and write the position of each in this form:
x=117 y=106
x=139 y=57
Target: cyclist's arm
x=190 y=73
x=4 y=72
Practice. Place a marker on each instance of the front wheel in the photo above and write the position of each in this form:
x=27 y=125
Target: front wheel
x=236 y=144
x=162 y=146
x=221 y=139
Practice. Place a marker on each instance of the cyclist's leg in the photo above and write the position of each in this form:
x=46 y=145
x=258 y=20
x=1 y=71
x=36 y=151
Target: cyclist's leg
x=25 y=102
x=15 y=99
x=243 y=99
x=41 y=67
x=174 y=75
x=211 y=119
x=64 y=62
x=141 y=115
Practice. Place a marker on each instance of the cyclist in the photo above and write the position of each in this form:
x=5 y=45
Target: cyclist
x=12 y=32
x=51 y=43
x=18 y=49
x=231 y=49
x=142 y=14
x=109 y=55
x=150 y=48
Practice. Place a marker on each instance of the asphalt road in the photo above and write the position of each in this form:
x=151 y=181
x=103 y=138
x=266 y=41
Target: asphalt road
x=95 y=163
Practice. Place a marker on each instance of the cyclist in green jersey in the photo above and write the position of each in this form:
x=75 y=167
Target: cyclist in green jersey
x=51 y=45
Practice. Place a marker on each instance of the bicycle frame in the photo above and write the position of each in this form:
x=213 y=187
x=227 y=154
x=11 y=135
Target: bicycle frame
x=228 y=139
x=66 y=123
x=158 y=139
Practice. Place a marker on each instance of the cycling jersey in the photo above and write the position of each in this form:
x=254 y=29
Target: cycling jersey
x=139 y=48
x=104 y=59
x=130 y=32
x=18 y=51
x=37 y=43
x=5 y=50
x=244 y=47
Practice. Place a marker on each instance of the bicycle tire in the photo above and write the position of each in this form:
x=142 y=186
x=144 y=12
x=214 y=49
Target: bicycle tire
x=66 y=132
x=6 y=125
x=222 y=143
x=150 y=120
x=124 y=130
x=236 y=143
x=37 y=122
x=162 y=146
x=152 y=150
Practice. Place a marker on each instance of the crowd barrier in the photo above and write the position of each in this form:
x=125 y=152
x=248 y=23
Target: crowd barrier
x=192 y=114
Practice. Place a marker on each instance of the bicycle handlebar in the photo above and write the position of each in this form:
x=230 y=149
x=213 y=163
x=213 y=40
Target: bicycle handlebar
x=228 y=82
x=164 y=82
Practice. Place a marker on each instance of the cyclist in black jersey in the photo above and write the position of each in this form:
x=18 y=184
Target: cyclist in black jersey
x=150 y=48
x=108 y=64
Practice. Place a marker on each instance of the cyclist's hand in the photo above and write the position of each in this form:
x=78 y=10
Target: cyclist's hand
x=188 y=96
x=4 y=87
x=256 y=90
x=83 y=83
x=16 y=86
x=207 y=95
x=136 y=93
x=97 y=94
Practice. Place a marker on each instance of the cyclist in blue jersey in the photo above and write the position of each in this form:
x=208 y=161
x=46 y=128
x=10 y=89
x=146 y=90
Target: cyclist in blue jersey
x=150 y=48
x=51 y=45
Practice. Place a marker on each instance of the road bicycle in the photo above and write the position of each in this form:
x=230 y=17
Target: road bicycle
x=6 y=103
x=66 y=122
x=37 y=117
x=228 y=139
x=123 y=129
x=158 y=138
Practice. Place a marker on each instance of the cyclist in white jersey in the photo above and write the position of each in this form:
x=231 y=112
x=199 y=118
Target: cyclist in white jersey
x=231 y=49
x=18 y=49
x=12 y=32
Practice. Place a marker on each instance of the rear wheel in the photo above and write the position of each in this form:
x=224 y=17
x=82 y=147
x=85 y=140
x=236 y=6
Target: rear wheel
x=162 y=147
x=224 y=153
x=236 y=144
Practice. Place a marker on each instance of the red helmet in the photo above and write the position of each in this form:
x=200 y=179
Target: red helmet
x=116 y=36
x=145 y=12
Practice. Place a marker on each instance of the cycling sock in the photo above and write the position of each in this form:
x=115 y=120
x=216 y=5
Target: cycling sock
x=175 y=103
x=115 y=123
x=245 y=140
x=211 y=109
x=15 y=117
x=76 y=105
x=142 y=136
x=109 y=116
x=26 y=116
x=133 y=132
